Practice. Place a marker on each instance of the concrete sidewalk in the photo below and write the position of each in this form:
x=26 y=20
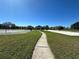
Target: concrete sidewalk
x=42 y=50
x=65 y=32
x=10 y=32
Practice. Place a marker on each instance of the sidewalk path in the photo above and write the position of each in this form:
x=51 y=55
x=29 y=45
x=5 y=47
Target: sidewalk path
x=42 y=50
x=65 y=32
x=10 y=32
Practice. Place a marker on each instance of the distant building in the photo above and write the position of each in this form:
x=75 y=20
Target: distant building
x=75 y=26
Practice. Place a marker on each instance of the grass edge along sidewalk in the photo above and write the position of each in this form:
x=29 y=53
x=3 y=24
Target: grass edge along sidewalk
x=63 y=46
x=19 y=46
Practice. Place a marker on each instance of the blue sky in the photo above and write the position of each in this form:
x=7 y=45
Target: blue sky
x=39 y=12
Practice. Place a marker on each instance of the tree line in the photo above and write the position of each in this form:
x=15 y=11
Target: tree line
x=9 y=25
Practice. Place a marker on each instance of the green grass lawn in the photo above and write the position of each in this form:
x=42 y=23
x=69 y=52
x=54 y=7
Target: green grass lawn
x=19 y=46
x=63 y=46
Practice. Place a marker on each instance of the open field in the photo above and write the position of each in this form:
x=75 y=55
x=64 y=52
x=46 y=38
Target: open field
x=18 y=46
x=63 y=46
x=9 y=32
x=70 y=33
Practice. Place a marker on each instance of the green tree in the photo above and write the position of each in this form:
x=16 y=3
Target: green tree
x=8 y=25
x=59 y=28
x=38 y=27
x=30 y=27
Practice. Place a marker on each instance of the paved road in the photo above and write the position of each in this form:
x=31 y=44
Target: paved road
x=42 y=50
x=9 y=32
x=65 y=32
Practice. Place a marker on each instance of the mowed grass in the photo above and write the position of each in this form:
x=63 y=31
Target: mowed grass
x=63 y=46
x=19 y=46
